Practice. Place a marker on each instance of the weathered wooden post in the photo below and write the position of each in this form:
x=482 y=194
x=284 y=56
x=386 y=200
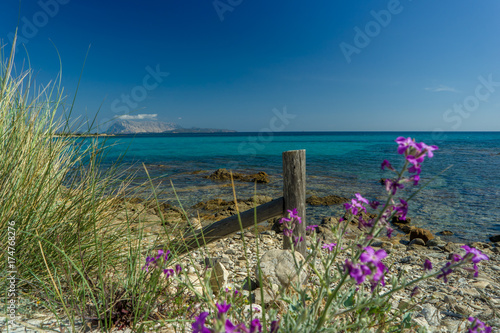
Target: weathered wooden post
x=294 y=193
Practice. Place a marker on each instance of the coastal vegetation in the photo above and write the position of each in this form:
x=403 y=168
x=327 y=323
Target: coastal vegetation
x=74 y=249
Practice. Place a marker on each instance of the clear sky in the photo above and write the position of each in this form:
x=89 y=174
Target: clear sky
x=321 y=66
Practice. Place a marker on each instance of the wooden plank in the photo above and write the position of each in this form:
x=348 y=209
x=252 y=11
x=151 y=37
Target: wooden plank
x=229 y=225
x=294 y=193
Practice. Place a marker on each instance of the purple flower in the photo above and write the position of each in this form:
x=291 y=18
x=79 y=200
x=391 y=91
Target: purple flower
x=477 y=255
x=255 y=326
x=386 y=164
x=415 y=160
x=297 y=240
x=178 y=269
x=311 y=227
x=401 y=209
x=456 y=258
x=329 y=246
x=415 y=179
x=378 y=276
x=168 y=272
x=415 y=169
x=222 y=308
x=374 y=204
x=478 y=326
x=427 y=149
x=361 y=199
x=287 y=232
x=275 y=325
x=370 y=256
x=294 y=215
x=230 y=327
x=427 y=265
x=355 y=207
x=445 y=272
x=392 y=186
x=357 y=271
x=404 y=144
x=199 y=324
x=389 y=231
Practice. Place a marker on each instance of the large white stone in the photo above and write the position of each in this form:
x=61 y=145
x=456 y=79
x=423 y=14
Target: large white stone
x=278 y=267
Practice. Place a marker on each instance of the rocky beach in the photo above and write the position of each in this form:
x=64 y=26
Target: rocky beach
x=438 y=306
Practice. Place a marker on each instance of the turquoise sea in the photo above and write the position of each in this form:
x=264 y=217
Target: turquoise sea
x=463 y=199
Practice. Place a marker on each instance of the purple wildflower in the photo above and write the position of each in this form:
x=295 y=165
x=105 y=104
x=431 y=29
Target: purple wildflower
x=478 y=326
x=415 y=169
x=357 y=271
x=199 y=324
x=445 y=272
x=329 y=246
x=361 y=199
x=401 y=209
x=477 y=255
x=275 y=325
x=230 y=327
x=415 y=160
x=222 y=308
x=168 y=272
x=294 y=215
x=389 y=231
x=427 y=265
x=287 y=232
x=427 y=149
x=297 y=240
x=311 y=228
x=370 y=256
x=374 y=204
x=456 y=258
x=392 y=186
x=355 y=207
x=415 y=179
x=404 y=144
x=386 y=164
x=178 y=269
x=255 y=326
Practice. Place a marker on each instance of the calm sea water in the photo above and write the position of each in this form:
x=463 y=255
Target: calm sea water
x=463 y=199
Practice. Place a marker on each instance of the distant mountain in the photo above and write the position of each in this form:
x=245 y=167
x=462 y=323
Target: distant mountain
x=122 y=126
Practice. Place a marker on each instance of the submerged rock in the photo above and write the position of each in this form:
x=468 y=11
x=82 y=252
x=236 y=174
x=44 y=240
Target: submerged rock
x=326 y=201
x=495 y=239
x=224 y=175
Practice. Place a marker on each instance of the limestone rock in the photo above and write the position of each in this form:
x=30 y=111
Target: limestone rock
x=431 y=314
x=278 y=267
x=218 y=277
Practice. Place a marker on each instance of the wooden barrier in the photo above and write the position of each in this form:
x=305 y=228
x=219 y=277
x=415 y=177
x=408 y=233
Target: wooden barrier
x=294 y=196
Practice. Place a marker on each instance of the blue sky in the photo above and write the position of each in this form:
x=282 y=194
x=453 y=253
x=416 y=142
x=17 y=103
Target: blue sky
x=238 y=64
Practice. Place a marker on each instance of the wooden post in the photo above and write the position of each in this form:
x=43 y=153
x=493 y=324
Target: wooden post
x=294 y=193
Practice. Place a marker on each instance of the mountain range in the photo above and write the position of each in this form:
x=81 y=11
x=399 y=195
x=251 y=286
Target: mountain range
x=125 y=126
